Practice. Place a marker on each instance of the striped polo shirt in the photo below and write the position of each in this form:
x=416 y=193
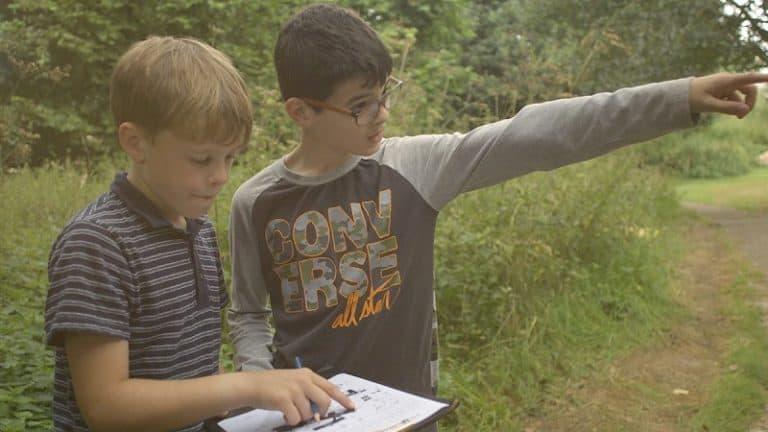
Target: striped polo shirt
x=120 y=269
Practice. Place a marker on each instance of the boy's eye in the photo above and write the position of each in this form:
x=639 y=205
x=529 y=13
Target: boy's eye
x=357 y=108
x=201 y=161
x=364 y=105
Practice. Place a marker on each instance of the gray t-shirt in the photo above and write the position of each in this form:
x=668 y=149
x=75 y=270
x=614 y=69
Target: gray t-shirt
x=344 y=261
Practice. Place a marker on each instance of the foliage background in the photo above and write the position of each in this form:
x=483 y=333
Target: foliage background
x=574 y=263
x=468 y=61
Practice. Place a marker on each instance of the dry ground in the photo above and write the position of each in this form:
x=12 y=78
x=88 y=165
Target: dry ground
x=661 y=386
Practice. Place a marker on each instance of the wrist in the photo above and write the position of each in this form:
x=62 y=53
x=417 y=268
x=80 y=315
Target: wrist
x=240 y=390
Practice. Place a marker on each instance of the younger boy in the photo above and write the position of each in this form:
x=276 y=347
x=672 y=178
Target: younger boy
x=136 y=286
x=337 y=236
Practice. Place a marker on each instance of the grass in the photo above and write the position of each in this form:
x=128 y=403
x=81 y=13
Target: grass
x=532 y=276
x=745 y=192
x=540 y=280
x=35 y=205
x=739 y=396
x=546 y=285
x=723 y=147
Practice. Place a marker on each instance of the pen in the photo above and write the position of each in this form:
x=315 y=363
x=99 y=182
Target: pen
x=316 y=414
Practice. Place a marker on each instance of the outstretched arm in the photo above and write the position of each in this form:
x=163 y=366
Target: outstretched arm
x=549 y=135
x=541 y=136
x=725 y=93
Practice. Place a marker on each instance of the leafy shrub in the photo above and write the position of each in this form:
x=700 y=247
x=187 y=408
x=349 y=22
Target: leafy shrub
x=707 y=158
x=36 y=204
x=541 y=277
x=526 y=271
x=721 y=147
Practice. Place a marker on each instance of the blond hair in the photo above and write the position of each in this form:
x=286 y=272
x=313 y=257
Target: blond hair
x=182 y=85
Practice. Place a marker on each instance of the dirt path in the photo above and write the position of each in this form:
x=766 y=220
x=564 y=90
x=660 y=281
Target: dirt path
x=749 y=230
x=661 y=386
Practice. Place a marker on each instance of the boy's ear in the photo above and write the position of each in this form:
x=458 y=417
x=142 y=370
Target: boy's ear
x=132 y=140
x=299 y=111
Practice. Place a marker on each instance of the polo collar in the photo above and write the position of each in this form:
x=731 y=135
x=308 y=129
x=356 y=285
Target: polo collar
x=141 y=205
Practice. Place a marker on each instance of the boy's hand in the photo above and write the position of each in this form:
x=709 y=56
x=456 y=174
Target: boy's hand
x=727 y=93
x=291 y=390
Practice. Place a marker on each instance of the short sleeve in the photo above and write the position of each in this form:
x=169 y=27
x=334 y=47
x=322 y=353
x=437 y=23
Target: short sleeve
x=89 y=285
x=223 y=297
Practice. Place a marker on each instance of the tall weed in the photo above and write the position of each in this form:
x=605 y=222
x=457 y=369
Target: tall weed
x=727 y=147
x=538 y=279
x=544 y=277
x=36 y=203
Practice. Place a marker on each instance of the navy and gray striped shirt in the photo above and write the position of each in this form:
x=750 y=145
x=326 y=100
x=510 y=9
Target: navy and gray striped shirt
x=119 y=269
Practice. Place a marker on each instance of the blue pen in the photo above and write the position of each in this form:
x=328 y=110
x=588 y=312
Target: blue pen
x=297 y=362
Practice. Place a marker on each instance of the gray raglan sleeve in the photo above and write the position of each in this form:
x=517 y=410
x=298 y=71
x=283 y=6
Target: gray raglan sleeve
x=249 y=314
x=542 y=136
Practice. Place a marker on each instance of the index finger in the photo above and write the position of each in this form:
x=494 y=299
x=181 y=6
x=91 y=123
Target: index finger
x=334 y=392
x=745 y=78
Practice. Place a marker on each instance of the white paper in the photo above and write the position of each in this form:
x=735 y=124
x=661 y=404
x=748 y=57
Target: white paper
x=378 y=409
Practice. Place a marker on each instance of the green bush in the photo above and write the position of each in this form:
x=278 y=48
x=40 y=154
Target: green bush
x=709 y=158
x=545 y=277
x=721 y=147
x=528 y=273
x=36 y=204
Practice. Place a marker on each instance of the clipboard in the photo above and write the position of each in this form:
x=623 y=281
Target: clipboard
x=378 y=409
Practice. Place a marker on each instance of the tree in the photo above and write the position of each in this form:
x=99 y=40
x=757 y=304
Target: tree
x=752 y=16
x=467 y=62
x=63 y=51
x=529 y=51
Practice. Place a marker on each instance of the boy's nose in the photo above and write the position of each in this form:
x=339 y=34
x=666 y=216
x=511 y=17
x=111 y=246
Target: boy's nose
x=220 y=173
x=383 y=114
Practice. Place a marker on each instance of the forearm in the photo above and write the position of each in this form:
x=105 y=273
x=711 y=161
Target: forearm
x=553 y=134
x=249 y=315
x=111 y=401
x=251 y=336
x=152 y=405
x=159 y=405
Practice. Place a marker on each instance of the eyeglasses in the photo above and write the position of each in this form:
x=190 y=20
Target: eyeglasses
x=366 y=113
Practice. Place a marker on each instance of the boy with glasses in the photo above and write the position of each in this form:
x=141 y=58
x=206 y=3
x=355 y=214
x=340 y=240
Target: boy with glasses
x=334 y=241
